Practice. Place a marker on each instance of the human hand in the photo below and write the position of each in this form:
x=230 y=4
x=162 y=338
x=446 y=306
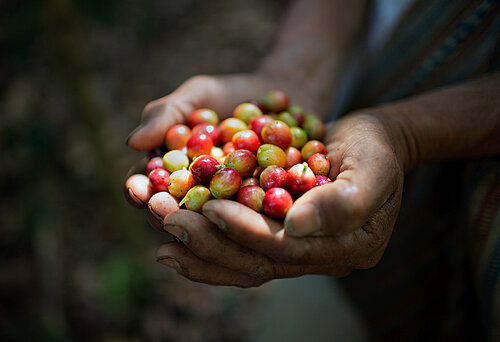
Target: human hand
x=220 y=93
x=330 y=230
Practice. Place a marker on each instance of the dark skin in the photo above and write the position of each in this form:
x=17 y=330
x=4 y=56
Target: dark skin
x=340 y=226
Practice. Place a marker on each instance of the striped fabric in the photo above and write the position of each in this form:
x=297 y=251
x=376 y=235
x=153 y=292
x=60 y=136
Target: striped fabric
x=437 y=43
x=484 y=238
x=439 y=278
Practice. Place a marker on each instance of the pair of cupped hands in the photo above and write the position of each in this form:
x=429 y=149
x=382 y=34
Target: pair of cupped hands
x=330 y=230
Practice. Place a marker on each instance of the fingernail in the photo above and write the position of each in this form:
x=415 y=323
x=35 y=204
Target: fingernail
x=212 y=216
x=155 y=215
x=133 y=199
x=170 y=262
x=178 y=232
x=303 y=220
x=163 y=257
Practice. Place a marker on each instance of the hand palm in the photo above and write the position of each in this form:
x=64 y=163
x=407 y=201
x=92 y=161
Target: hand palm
x=344 y=225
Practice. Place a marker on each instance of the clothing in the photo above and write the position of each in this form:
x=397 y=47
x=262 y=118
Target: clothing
x=439 y=277
x=384 y=15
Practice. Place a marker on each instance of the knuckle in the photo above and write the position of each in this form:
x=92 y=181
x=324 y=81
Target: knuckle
x=208 y=85
x=282 y=257
x=296 y=254
x=263 y=270
x=370 y=261
x=370 y=245
x=373 y=236
x=199 y=80
x=344 y=272
x=149 y=106
x=201 y=250
x=154 y=108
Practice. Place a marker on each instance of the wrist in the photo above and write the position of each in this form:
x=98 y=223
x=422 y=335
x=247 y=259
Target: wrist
x=403 y=138
x=455 y=122
x=397 y=134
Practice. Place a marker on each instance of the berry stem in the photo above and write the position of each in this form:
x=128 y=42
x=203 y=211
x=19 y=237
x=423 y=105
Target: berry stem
x=182 y=201
x=305 y=167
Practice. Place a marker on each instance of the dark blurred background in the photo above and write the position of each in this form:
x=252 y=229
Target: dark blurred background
x=77 y=262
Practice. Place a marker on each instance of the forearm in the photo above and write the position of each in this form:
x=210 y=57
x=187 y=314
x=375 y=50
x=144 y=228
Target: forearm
x=311 y=45
x=455 y=122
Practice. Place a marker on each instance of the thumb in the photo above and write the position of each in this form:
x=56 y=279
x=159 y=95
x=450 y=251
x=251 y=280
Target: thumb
x=329 y=209
x=368 y=180
x=345 y=204
x=159 y=115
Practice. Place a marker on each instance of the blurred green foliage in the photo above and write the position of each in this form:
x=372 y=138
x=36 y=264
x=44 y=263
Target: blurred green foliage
x=77 y=262
x=19 y=26
x=124 y=285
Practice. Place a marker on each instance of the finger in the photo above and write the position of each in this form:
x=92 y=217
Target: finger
x=267 y=237
x=159 y=115
x=208 y=243
x=186 y=263
x=362 y=248
x=138 y=190
x=159 y=206
x=368 y=177
x=176 y=256
x=202 y=238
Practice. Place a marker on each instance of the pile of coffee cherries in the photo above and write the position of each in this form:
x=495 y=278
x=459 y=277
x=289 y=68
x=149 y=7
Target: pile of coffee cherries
x=264 y=156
